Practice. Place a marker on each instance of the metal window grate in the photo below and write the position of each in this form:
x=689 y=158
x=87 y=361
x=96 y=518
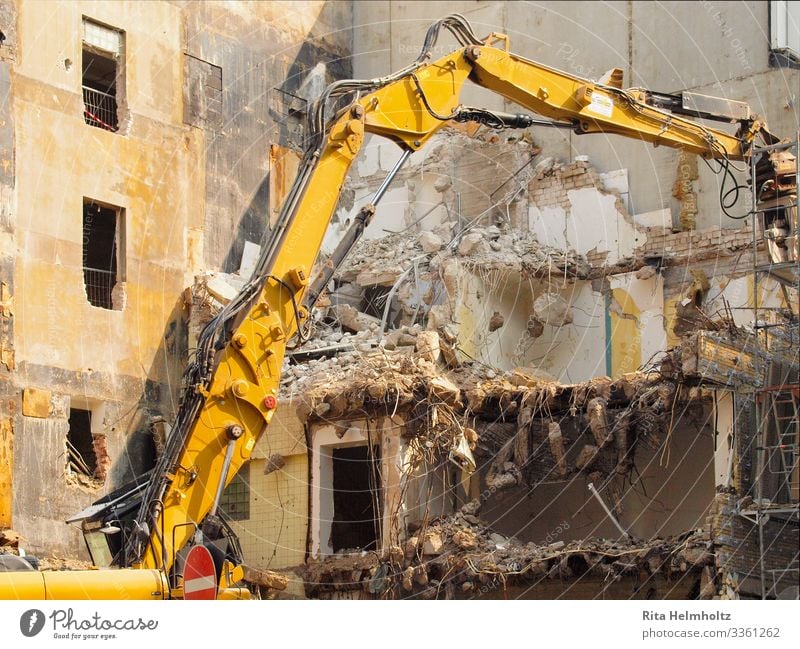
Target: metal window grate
x=99 y=286
x=99 y=109
x=235 y=501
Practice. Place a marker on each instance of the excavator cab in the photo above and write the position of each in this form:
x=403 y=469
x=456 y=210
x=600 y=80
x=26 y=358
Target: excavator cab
x=108 y=522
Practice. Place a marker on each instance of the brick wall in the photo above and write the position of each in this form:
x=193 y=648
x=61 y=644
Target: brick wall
x=550 y=187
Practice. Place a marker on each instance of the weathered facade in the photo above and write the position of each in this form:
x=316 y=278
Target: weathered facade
x=178 y=163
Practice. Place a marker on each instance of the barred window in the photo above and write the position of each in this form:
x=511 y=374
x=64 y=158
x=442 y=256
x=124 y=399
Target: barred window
x=235 y=501
x=102 y=78
x=103 y=253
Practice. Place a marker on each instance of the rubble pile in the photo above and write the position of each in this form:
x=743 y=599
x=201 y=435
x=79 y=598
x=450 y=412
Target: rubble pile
x=382 y=261
x=354 y=382
x=12 y=545
x=460 y=557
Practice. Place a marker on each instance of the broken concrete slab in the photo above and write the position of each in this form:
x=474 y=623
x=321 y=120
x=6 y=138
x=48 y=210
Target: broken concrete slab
x=427 y=346
x=470 y=242
x=430 y=242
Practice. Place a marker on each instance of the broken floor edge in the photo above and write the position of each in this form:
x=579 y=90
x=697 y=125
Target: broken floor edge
x=459 y=556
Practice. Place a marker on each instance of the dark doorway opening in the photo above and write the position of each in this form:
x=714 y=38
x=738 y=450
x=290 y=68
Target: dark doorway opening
x=80 y=444
x=101 y=74
x=356 y=505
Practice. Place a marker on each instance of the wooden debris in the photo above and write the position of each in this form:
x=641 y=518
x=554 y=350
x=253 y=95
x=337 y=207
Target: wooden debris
x=586 y=457
x=265 y=578
x=556 y=440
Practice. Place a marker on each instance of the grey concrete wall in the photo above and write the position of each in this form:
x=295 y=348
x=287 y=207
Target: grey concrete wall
x=666 y=497
x=719 y=48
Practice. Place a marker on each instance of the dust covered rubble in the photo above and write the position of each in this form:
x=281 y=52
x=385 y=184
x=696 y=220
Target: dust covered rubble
x=14 y=557
x=379 y=262
x=460 y=556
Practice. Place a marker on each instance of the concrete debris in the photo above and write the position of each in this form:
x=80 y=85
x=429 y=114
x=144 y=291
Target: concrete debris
x=430 y=242
x=552 y=309
x=465 y=539
x=443 y=183
x=219 y=289
x=353 y=320
x=646 y=272
x=470 y=243
x=444 y=390
x=9 y=538
x=432 y=544
x=427 y=346
x=496 y=321
x=586 y=457
x=535 y=327
x=379 y=262
x=467 y=552
x=597 y=413
x=275 y=462
x=268 y=579
x=14 y=557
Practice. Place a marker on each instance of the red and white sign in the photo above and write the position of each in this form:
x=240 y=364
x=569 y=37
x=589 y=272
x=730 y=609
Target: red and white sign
x=199 y=575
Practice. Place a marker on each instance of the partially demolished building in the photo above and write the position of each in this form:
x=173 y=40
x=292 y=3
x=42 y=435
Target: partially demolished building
x=550 y=369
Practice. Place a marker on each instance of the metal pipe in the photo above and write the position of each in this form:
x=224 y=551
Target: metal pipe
x=775 y=147
x=596 y=494
x=128 y=583
x=351 y=237
x=390 y=176
x=226 y=465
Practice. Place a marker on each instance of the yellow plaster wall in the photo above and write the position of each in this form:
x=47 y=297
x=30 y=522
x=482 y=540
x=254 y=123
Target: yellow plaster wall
x=275 y=534
x=154 y=168
x=626 y=337
x=6 y=470
x=153 y=62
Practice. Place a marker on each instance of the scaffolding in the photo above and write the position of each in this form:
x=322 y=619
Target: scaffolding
x=776 y=255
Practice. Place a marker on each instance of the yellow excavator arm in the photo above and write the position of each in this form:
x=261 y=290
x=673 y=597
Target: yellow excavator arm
x=232 y=383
